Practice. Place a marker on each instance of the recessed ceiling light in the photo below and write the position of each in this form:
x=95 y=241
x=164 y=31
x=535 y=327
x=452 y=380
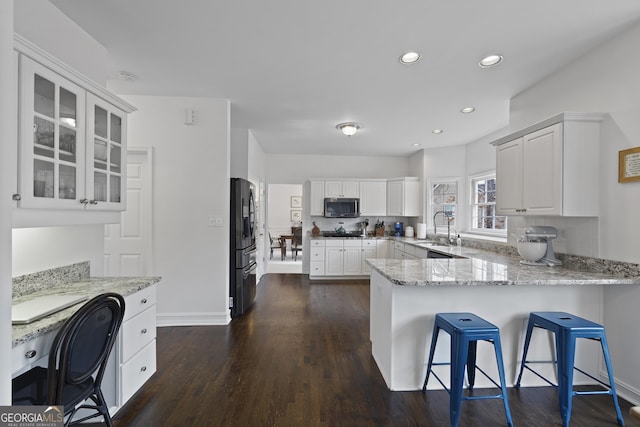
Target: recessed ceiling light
x=467 y=110
x=437 y=131
x=409 y=58
x=349 y=128
x=490 y=61
x=415 y=144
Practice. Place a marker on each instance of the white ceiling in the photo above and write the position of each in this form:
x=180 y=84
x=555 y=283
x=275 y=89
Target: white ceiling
x=293 y=69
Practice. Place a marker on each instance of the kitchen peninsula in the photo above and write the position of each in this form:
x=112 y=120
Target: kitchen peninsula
x=406 y=295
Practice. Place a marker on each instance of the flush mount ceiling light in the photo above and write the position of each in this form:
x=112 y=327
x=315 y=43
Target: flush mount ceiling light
x=437 y=131
x=349 y=128
x=415 y=144
x=127 y=76
x=467 y=110
x=409 y=58
x=490 y=60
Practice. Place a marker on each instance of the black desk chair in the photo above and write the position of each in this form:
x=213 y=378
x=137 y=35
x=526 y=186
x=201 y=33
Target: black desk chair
x=77 y=362
x=296 y=243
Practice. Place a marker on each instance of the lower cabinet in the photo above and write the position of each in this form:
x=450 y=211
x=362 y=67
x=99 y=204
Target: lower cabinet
x=316 y=259
x=343 y=257
x=369 y=251
x=137 y=343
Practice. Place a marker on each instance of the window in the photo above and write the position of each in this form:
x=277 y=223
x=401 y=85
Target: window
x=483 y=206
x=444 y=197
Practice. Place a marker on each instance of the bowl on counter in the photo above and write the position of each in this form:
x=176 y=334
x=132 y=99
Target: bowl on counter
x=532 y=250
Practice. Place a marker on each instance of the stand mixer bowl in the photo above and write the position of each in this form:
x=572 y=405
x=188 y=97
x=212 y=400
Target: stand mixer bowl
x=532 y=250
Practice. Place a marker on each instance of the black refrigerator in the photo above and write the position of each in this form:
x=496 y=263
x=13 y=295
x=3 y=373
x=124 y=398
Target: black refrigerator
x=242 y=256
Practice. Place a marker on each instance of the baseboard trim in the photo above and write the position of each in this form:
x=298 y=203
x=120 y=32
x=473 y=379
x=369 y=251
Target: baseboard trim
x=193 y=319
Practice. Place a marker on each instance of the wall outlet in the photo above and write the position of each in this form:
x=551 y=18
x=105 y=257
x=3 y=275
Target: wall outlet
x=216 y=221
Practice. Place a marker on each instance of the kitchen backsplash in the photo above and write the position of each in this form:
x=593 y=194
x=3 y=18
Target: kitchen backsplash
x=29 y=283
x=351 y=224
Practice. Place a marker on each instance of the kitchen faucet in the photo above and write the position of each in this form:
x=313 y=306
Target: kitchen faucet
x=448 y=218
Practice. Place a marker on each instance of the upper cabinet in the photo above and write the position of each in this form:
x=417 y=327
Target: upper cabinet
x=335 y=189
x=72 y=139
x=550 y=168
x=316 y=199
x=373 y=197
x=403 y=196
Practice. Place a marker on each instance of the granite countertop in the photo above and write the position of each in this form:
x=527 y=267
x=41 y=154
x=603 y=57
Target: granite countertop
x=89 y=286
x=484 y=268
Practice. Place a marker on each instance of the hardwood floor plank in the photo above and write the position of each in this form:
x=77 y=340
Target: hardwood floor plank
x=301 y=356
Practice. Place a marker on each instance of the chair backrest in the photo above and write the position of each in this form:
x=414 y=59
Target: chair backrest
x=82 y=347
x=297 y=236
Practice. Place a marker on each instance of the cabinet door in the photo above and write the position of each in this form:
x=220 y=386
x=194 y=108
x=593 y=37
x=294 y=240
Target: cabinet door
x=106 y=155
x=317 y=198
x=351 y=189
x=542 y=171
x=333 y=261
x=52 y=139
x=373 y=198
x=382 y=249
x=394 y=198
x=509 y=178
x=352 y=261
x=367 y=253
x=333 y=189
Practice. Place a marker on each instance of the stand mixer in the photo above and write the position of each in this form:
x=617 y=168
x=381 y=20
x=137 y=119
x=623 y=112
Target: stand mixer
x=538 y=235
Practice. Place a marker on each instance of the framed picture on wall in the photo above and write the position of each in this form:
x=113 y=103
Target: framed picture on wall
x=296 y=216
x=296 y=202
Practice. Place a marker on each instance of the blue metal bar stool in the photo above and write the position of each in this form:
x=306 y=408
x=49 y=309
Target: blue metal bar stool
x=466 y=329
x=567 y=328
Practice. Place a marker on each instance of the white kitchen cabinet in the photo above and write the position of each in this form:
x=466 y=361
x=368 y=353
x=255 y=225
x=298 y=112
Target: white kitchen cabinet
x=550 y=168
x=137 y=343
x=52 y=139
x=349 y=189
x=369 y=251
x=69 y=158
x=373 y=198
x=316 y=198
x=343 y=257
x=316 y=257
x=403 y=196
x=383 y=248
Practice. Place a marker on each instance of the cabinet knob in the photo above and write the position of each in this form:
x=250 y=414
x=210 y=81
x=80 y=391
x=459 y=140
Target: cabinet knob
x=16 y=197
x=143 y=301
x=30 y=354
x=144 y=368
x=144 y=331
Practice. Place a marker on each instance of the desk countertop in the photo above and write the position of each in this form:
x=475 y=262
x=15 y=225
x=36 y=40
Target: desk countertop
x=90 y=287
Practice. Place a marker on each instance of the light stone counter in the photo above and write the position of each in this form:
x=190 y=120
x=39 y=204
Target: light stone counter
x=52 y=284
x=407 y=294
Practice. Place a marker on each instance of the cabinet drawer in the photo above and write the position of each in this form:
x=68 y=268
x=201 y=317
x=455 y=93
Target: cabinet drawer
x=138 y=332
x=317 y=254
x=368 y=243
x=20 y=360
x=138 y=370
x=316 y=243
x=399 y=246
x=316 y=268
x=410 y=249
x=138 y=302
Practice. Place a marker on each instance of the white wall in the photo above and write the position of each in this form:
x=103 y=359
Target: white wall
x=191 y=183
x=279 y=210
x=7 y=166
x=296 y=169
x=43 y=24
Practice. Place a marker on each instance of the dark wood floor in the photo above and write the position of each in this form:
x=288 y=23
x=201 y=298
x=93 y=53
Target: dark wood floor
x=302 y=357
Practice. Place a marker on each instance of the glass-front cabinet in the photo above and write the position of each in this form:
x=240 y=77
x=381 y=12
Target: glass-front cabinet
x=106 y=151
x=52 y=133
x=72 y=144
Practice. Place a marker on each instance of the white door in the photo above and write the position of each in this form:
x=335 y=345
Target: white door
x=127 y=246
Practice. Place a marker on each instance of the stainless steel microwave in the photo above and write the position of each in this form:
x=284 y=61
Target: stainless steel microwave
x=341 y=208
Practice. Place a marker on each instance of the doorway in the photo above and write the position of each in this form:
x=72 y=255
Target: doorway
x=284 y=215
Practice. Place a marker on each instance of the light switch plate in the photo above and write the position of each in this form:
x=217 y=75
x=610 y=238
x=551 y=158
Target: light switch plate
x=216 y=221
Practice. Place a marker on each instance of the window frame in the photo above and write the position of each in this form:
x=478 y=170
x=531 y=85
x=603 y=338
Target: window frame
x=473 y=208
